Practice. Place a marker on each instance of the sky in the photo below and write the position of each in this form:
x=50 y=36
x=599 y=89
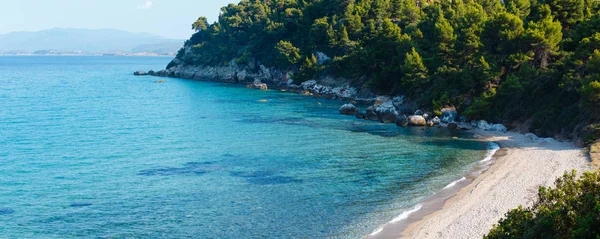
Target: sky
x=167 y=18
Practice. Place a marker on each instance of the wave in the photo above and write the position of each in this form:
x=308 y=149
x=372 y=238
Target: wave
x=404 y=215
x=492 y=148
x=452 y=184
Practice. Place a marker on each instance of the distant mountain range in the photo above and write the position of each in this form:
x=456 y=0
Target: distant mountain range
x=86 y=41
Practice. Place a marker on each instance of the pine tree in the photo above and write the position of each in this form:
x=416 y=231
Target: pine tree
x=444 y=33
x=521 y=8
x=415 y=74
x=544 y=36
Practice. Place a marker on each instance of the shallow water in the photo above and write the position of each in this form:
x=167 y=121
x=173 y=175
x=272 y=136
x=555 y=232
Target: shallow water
x=88 y=150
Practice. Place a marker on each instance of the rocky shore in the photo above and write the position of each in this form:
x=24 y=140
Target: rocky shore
x=385 y=109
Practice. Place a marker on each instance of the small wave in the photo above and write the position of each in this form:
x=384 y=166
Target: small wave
x=492 y=148
x=404 y=215
x=452 y=184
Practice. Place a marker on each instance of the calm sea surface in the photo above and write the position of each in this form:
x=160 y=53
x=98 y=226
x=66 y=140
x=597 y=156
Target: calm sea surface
x=89 y=150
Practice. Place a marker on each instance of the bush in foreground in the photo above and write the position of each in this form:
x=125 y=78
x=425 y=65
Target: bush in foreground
x=571 y=210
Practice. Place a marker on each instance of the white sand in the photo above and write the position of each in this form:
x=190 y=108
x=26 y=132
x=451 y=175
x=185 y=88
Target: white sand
x=521 y=166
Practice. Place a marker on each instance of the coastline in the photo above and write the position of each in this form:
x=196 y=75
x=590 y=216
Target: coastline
x=470 y=207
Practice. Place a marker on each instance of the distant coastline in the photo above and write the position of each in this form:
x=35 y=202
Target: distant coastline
x=96 y=54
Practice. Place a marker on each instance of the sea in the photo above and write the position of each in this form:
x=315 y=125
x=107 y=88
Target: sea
x=87 y=150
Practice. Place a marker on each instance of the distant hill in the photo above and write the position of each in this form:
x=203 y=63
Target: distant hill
x=86 y=41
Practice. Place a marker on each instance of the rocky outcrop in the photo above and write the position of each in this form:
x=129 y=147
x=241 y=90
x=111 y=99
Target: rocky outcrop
x=348 y=109
x=417 y=120
x=269 y=77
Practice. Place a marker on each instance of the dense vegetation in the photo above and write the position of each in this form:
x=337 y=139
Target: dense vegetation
x=571 y=210
x=534 y=63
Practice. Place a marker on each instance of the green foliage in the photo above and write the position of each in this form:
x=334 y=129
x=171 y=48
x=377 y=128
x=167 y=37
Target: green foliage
x=200 y=25
x=570 y=210
x=525 y=60
x=288 y=55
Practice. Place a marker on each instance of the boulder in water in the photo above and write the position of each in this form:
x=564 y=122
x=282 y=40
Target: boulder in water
x=386 y=112
x=371 y=115
x=140 y=73
x=402 y=121
x=417 y=120
x=348 y=109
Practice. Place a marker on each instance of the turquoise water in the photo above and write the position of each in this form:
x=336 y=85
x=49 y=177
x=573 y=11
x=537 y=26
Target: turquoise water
x=88 y=150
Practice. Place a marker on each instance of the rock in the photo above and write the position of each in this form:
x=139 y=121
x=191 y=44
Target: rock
x=322 y=58
x=371 y=115
x=498 y=128
x=381 y=99
x=465 y=126
x=151 y=72
x=548 y=140
x=418 y=112
x=402 y=121
x=449 y=114
x=426 y=115
x=360 y=115
x=348 y=109
x=482 y=124
x=436 y=121
x=140 y=73
x=531 y=137
x=417 y=120
x=430 y=123
x=387 y=112
x=452 y=125
x=398 y=100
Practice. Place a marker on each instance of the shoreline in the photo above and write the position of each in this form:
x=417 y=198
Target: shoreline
x=469 y=207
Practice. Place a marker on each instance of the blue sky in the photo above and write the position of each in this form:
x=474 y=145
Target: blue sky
x=168 y=18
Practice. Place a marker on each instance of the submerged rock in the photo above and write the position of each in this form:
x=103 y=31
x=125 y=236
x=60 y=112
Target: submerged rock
x=348 y=109
x=417 y=120
x=418 y=112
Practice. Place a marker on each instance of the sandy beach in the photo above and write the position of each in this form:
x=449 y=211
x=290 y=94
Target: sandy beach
x=470 y=211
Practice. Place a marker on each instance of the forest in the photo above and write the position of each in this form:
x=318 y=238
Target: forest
x=533 y=65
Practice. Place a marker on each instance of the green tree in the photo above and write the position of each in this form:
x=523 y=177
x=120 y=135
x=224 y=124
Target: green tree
x=446 y=38
x=568 y=12
x=415 y=74
x=200 y=25
x=288 y=54
x=544 y=37
x=521 y=8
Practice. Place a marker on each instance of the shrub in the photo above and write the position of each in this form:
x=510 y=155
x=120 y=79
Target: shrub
x=570 y=210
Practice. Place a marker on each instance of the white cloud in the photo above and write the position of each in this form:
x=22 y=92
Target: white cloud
x=146 y=5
